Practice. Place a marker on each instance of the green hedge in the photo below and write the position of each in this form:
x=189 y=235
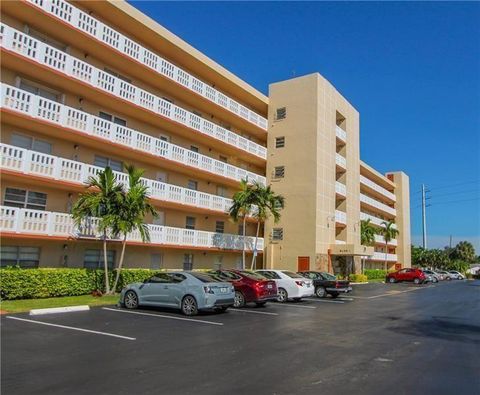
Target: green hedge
x=45 y=283
x=358 y=278
x=375 y=274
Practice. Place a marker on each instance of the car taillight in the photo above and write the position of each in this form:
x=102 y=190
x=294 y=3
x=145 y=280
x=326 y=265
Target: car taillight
x=300 y=283
x=208 y=290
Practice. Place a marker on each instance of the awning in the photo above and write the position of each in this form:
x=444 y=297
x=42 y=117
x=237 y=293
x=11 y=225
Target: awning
x=351 y=250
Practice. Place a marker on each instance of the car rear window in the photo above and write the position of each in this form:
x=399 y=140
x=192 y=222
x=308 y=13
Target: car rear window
x=328 y=276
x=253 y=275
x=206 y=278
x=292 y=274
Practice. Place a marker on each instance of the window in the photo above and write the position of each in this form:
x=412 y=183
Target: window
x=221 y=191
x=160 y=218
x=38 y=90
x=167 y=99
x=156 y=261
x=114 y=73
x=111 y=118
x=280 y=142
x=240 y=229
x=177 y=277
x=103 y=161
x=277 y=234
x=31 y=143
x=46 y=39
x=25 y=257
x=219 y=227
x=279 y=172
x=25 y=199
x=223 y=159
x=190 y=223
x=280 y=113
x=192 y=185
x=269 y=275
x=193 y=148
x=160 y=278
x=164 y=138
x=187 y=261
x=93 y=259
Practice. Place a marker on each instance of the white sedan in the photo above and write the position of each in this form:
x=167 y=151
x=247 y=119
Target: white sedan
x=289 y=285
x=456 y=275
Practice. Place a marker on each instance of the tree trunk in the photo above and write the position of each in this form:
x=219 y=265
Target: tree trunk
x=105 y=263
x=254 y=257
x=244 y=246
x=120 y=264
x=386 y=252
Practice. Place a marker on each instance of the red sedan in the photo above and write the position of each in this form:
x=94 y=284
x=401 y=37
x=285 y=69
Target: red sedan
x=249 y=286
x=415 y=275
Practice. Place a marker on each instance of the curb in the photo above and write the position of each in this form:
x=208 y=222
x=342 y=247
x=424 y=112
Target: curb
x=53 y=310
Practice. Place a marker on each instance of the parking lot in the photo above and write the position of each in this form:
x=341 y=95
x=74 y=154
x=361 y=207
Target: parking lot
x=382 y=338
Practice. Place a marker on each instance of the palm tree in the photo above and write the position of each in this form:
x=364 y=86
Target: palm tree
x=267 y=203
x=367 y=235
x=389 y=232
x=464 y=251
x=241 y=208
x=101 y=200
x=131 y=214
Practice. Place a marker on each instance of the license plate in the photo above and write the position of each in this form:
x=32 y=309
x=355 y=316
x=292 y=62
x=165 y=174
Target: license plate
x=269 y=286
x=223 y=290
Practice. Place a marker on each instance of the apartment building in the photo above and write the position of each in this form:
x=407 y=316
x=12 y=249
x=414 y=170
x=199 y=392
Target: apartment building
x=314 y=162
x=87 y=85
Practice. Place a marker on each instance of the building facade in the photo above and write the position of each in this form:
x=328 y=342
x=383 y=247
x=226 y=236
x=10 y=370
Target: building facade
x=87 y=85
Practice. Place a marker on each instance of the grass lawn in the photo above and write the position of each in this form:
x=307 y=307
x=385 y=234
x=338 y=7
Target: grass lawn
x=18 y=306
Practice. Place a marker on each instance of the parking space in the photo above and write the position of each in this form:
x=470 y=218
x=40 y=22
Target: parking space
x=279 y=348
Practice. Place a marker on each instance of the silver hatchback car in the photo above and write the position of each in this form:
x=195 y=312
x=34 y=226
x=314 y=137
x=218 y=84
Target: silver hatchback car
x=187 y=291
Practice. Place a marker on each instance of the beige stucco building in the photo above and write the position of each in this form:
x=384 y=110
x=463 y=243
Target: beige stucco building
x=92 y=84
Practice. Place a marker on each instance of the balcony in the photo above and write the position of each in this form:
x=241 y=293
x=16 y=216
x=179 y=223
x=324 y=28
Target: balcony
x=369 y=183
x=376 y=204
x=16 y=221
x=111 y=38
x=380 y=256
x=67 y=117
x=340 y=189
x=48 y=56
x=340 y=161
x=380 y=240
x=341 y=134
x=374 y=220
x=54 y=168
x=340 y=217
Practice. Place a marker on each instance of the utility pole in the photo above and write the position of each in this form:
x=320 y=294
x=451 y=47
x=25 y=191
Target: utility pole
x=424 y=218
x=450 y=244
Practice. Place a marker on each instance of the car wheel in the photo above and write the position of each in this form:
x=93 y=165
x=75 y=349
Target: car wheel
x=130 y=300
x=239 y=300
x=416 y=280
x=321 y=292
x=282 y=295
x=189 y=305
x=435 y=280
x=260 y=304
x=391 y=280
x=334 y=295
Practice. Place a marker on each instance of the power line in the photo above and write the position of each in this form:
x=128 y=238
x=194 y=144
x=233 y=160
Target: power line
x=456 y=201
x=456 y=193
x=456 y=184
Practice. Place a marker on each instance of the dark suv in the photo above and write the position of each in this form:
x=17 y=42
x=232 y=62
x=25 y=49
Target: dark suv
x=327 y=284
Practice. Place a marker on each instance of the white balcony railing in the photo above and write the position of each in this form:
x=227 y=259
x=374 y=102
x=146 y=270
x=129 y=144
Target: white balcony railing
x=365 y=181
x=340 y=242
x=374 y=220
x=46 y=55
x=379 y=239
x=375 y=203
x=340 y=133
x=78 y=19
x=53 y=167
x=340 y=160
x=340 y=188
x=340 y=217
x=39 y=108
x=47 y=223
x=380 y=256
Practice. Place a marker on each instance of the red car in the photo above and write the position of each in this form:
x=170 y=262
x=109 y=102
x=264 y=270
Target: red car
x=415 y=275
x=249 y=286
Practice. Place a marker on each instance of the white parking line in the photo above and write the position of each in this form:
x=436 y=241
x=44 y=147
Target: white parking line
x=326 y=301
x=163 y=316
x=252 y=311
x=73 y=328
x=393 y=293
x=293 y=305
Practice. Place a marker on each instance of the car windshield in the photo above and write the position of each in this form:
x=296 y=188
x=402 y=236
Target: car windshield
x=253 y=275
x=328 y=276
x=206 y=278
x=292 y=274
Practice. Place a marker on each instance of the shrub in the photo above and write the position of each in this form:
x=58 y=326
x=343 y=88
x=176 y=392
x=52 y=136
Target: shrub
x=18 y=283
x=358 y=278
x=375 y=274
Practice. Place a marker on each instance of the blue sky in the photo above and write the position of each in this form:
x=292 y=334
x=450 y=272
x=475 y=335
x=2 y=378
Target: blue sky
x=411 y=69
